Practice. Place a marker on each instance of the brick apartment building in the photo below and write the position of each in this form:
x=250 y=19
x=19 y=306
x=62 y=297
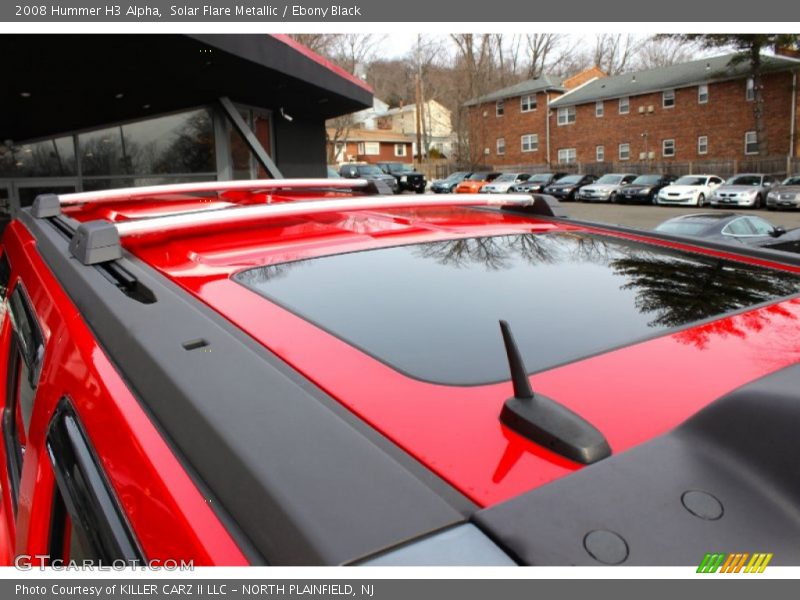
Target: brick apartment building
x=700 y=110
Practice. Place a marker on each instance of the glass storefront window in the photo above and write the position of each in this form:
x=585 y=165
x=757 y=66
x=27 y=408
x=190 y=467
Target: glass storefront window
x=48 y=158
x=177 y=144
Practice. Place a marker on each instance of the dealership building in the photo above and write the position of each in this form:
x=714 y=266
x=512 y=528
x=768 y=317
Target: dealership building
x=92 y=112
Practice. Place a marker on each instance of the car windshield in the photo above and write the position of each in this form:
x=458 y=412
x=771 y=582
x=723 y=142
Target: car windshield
x=540 y=178
x=612 y=179
x=431 y=310
x=478 y=176
x=683 y=227
x=570 y=179
x=744 y=180
x=791 y=181
x=369 y=170
x=458 y=176
x=506 y=177
x=646 y=180
x=400 y=168
x=690 y=180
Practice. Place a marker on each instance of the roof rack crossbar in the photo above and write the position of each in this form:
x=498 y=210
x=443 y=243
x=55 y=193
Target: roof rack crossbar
x=154 y=191
x=99 y=241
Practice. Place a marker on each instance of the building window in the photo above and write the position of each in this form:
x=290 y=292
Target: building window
x=702 y=93
x=599 y=108
x=702 y=144
x=566 y=115
x=599 y=153
x=399 y=149
x=750 y=90
x=369 y=148
x=668 y=99
x=500 y=108
x=527 y=103
x=530 y=142
x=668 y=148
x=751 y=142
x=624 y=106
x=567 y=155
x=501 y=146
x=624 y=151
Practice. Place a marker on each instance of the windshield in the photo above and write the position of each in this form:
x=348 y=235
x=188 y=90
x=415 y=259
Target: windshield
x=744 y=180
x=690 y=180
x=570 y=179
x=791 y=181
x=457 y=176
x=400 y=168
x=431 y=310
x=369 y=170
x=646 y=180
x=540 y=178
x=610 y=179
x=683 y=227
x=478 y=176
x=506 y=177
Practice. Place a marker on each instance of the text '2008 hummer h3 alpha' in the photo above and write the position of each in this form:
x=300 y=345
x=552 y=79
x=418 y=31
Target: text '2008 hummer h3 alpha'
x=302 y=372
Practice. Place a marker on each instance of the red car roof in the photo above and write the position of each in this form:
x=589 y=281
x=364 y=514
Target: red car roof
x=630 y=394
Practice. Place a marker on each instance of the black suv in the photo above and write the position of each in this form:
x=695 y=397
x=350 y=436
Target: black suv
x=644 y=189
x=407 y=178
x=566 y=187
x=370 y=172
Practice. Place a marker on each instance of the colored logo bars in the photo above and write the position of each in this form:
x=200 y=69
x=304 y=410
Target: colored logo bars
x=734 y=563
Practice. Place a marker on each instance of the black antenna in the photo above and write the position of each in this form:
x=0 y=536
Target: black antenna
x=545 y=421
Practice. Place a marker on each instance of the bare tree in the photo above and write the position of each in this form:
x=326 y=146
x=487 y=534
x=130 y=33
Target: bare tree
x=354 y=50
x=540 y=49
x=320 y=43
x=660 y=51
x=613 y=52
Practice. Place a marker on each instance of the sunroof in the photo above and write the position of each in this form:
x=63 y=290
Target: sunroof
x=431 y=310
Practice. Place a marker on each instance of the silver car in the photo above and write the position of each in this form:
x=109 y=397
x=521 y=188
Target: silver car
x=605 y=189
x=504 y=182
x=785 y=195
x=746 y=189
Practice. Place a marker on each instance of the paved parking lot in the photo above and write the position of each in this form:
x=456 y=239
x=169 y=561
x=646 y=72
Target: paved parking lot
x=647 y=217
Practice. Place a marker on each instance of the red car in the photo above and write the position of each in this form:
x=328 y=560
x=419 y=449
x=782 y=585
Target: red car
x=295 y=372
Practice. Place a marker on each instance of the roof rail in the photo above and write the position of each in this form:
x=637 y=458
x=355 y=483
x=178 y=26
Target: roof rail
x=99 y=241
x=49 y=205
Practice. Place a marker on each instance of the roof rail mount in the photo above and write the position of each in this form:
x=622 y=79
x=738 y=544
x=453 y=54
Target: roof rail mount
x=96 y=242
x=46 y=206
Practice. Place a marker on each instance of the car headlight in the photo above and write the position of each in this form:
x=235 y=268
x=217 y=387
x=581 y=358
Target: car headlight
x=773 y=195
x=645 y=190
x=403 y=178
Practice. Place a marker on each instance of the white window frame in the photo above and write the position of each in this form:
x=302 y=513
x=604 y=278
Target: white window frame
x=702 y=142
x=500 y=146
x=400 y=149
x=528 y=103
x=600 y=153
x=625 y=105
x=369 y=148
x=750 y=90
x=665 y=95
x=702 y=93
x=563 y=116
x=627 y=154
x=599 y=109
x=664 y=148
x=499 y=108
x=755 y=141
x=566 y=153
x=529 y=142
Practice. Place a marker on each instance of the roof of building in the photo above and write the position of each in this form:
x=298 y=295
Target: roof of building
x=703 y=70
x=412 y=107
x=372 y=135
x=529 y=86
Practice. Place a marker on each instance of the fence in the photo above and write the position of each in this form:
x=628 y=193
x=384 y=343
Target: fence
x=779 y=166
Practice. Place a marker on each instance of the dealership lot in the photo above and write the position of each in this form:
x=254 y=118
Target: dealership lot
x=647 y=217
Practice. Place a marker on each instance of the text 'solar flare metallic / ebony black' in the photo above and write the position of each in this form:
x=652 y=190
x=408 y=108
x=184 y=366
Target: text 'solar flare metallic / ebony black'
x=545 y=421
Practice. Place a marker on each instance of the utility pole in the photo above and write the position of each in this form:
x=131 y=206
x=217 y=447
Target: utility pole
x=418 y=111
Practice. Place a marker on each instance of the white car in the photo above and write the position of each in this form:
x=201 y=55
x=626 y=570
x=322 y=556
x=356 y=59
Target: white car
x=694 y=190
x=505 y=181
x=605 y=189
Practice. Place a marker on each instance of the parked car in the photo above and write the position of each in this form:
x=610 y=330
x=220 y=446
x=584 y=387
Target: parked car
x=567 y=187
x=370 y=172
x=502 y=184
x=449 y=183
x=644 y=189
x=360 y=379
x=333 y=173
x=536 y=183
x=689 y=189
x=744 y=190
x=407 y=178
x=785 y=195
x=605 y=189
x=474 y=183
x=728 y=227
